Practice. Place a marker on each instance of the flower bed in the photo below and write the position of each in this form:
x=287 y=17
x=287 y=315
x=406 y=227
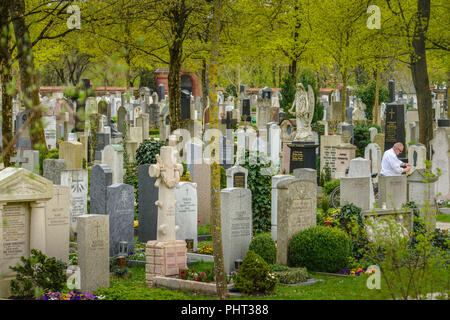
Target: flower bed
x=72 y=295
x=356 y=271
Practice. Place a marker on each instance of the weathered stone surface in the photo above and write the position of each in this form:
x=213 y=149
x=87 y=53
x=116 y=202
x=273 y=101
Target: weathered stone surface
x=236 y=215
x=296 y=212
x=93 y=251
x=53 y=168
x=392 y=191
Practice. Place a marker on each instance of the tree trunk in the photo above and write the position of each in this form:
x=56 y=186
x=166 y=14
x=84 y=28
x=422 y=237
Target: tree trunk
x=344 y=95
x=293 y=71
x=375 y=111
x=176 y=52
x=6 y=78
x=419 y=72
x=28 y=74
x=221 y=282
x=204 y=85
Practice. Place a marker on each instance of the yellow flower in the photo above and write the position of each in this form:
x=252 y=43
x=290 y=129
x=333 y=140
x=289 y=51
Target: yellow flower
x=136 y=223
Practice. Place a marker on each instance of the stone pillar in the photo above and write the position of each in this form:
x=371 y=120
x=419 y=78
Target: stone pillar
x=37 y=226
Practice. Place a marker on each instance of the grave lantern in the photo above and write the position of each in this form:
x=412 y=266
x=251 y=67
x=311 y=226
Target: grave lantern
x=123 y=248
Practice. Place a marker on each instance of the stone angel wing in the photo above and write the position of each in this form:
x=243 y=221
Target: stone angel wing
x=311 y=101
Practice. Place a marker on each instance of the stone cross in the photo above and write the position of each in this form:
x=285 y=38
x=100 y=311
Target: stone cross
x=20 y=158
x=168 y=173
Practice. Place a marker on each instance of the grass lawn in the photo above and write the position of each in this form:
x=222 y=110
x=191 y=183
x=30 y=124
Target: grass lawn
x=332 y=288
x=443 y=218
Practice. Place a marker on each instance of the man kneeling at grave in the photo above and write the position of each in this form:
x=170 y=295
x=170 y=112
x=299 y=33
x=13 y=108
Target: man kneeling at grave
x=391 y=165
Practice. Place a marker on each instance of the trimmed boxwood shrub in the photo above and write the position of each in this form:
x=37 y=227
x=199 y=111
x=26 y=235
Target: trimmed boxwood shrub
x=320 y=248
x=254 y=275
x=292 y=275
x=264 y=246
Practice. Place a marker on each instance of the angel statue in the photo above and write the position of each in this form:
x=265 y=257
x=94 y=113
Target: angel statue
x=304 y=112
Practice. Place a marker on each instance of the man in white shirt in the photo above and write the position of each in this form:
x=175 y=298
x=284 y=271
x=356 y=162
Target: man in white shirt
x=391 y=165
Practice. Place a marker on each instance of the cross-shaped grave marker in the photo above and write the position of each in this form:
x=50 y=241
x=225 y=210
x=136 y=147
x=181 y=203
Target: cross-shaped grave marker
x=19 y=159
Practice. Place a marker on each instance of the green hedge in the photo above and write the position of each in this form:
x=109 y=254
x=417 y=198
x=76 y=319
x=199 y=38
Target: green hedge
x=320 y=248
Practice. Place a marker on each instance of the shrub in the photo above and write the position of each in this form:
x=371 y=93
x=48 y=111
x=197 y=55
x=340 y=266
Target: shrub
x=329 y=186
x=147 y=151
x=320 y=249
x=347 y=214
x=361 y=138
x=260 y=184
x=291 y=276
x=264 y=246
x=254 y=276
x=38 y=274
x=349 y=218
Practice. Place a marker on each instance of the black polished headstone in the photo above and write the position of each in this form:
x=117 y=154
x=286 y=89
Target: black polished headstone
x=246 y=110
x=161 y=93
x=395 y=127
x=147 y=209
x=185 y=105
x=302 y=155
x=391 y=90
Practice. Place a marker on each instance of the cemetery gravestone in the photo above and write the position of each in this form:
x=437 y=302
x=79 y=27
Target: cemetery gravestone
x=236 y=215
x=202 y=177
x=93 y=251
x=392 y=191
x=328 y=151
x=57 y=228
x=112 y=155
x=237 y=177
x=296 y=212
x=77 y=181
x=23 y=198
x=186 y=211
x=53 y=169
x=395 y=127
x=101 y=178
x=147 y=209
x=440 y=160
x=120 y=209
x=274 y=202
x=417 y=155
x=72 y=152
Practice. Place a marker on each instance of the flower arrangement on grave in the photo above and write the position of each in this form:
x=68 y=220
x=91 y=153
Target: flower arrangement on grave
x=72 y=295
x=186 y=177
x=356 y=271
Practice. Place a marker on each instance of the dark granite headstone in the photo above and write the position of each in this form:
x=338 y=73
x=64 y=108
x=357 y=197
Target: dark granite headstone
x=120 y=208
x=246 y=110
x=103 y=139
x=391 y=90
x=302 y=155
x=147 y=210
x=395 y=127
x=161 y=93
x=24 y=140
x=185 y=105
x=101 y=178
